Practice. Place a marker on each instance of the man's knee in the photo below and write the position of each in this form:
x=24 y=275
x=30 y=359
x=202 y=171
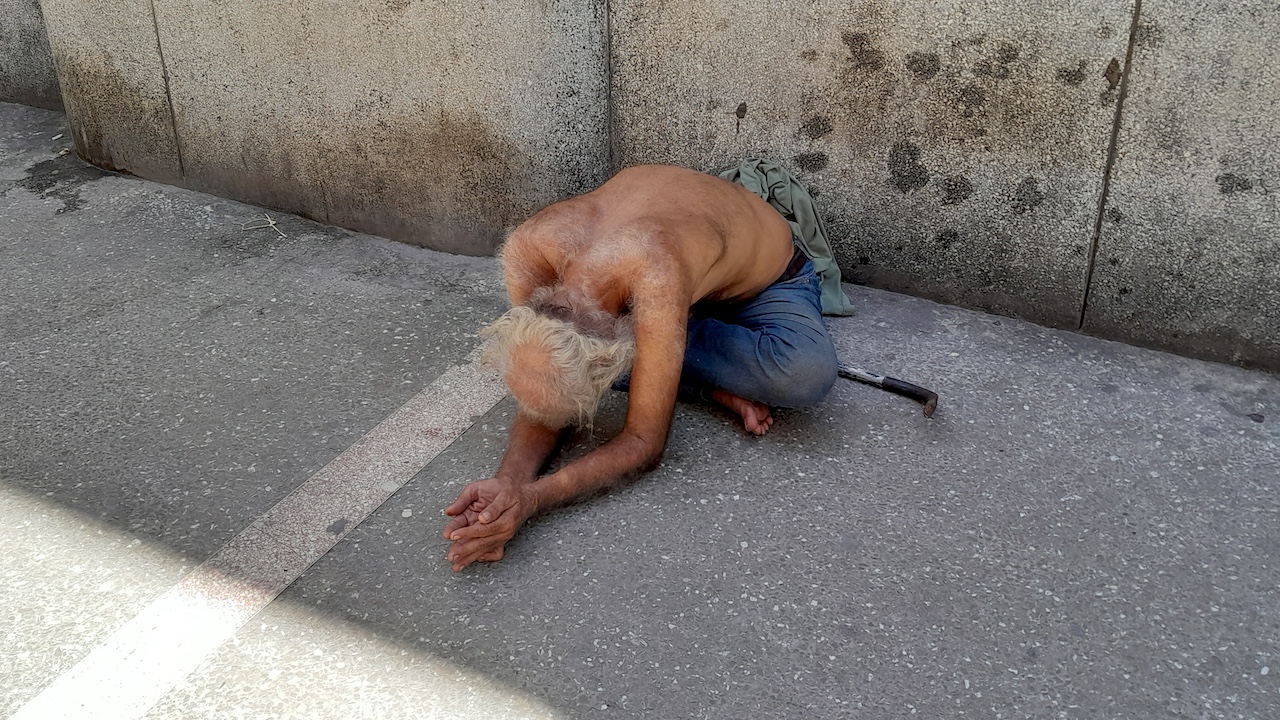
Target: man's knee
x=805 y=374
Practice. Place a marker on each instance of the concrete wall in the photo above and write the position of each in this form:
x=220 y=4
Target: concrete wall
x=1006 y=156
x=958 y=147
x=26 y=65
x=963 y=150
x=113 y=85
x=1189 y=256
x=432 y=123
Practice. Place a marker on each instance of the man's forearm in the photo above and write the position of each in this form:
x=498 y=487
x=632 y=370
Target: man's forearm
x=620 y=458
x=528 y=447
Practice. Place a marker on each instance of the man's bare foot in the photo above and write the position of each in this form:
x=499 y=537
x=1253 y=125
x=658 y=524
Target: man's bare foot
x=755 y=416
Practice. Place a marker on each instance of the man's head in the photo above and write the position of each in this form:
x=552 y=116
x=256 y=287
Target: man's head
x=558 y=361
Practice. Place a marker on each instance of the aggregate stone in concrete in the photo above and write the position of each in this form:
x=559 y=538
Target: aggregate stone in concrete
x=439 y=124
x=26 y=63
x=170 y=369
x=113 y=85
x=1083 y=530
x=958 y=148
x=1189 y=257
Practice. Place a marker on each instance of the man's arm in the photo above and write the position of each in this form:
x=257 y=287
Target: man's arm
x=529 y=444
x=490 y=512
x=661 y=308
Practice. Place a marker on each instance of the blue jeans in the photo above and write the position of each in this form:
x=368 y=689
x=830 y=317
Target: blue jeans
x=772 y=349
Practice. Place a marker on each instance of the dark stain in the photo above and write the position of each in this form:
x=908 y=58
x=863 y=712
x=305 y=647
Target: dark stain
x=1112 y=74
x=1113 y=262
x=905 y=171
x=1256 y=417
x=809 y=55
x=947 y=238
x=811 y=161
x=924 y=65
x=1168 y=129
x=741 y=112
x=1073 y=76
x=998 y=66
x=1032 y=653
x=129 y=129
x=338 y=526
x=444 y=180
x=972 y=97
x=60 y=178
x=972 y=41
x=398 y=5
x=1148 y=34
x=1124 y=291
x=1027 y=196
x=1109 y=388
x=956 y=189
x=1105 y=32
x=862 y=53
x=988 y=68
x=1230 y=183
x=816 y=126
x=1076 y=630
x=240 y=246
x=1114 y=215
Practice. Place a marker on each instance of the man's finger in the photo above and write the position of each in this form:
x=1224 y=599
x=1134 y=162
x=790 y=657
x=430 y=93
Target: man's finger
x=460 y=520
x=502 y=503
x=474 y=531
x=463 y=553
x=465 y=498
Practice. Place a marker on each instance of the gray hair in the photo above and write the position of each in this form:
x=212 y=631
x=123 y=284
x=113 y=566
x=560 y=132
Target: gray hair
x=586 y=351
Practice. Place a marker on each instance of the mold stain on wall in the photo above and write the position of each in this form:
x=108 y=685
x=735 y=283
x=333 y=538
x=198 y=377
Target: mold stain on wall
x=115 y=122
x=997 y=92
x=441 y=180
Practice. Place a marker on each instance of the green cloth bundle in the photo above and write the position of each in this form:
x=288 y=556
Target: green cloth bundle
x=776 y=186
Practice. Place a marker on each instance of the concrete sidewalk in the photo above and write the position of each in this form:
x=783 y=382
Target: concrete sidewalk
x=1085 y=529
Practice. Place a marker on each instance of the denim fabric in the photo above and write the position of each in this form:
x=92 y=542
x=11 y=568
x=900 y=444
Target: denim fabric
x=773 y=349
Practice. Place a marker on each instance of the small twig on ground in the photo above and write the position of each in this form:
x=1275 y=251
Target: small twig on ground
x=269 y=223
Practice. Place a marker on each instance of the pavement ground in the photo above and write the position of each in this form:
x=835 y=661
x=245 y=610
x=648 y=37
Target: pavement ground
x=225 y=446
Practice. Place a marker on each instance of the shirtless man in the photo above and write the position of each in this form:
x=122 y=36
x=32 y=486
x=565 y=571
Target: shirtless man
x=687 y=281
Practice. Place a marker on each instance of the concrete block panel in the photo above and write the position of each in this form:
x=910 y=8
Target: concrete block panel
x=113 y=85
x=439 y=124
x=1189 y=255
x=957 y=148
x=26 y=63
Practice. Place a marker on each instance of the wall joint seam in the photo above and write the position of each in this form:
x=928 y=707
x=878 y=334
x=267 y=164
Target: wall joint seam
x=609 y=130
x=1112 y=151
x=168 y=94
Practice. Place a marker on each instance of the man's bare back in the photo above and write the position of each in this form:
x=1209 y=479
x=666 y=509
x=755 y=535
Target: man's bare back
x=725 y=242
x=646 y=247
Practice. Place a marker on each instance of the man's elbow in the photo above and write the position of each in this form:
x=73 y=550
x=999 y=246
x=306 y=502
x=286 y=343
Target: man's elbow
x=647 y=450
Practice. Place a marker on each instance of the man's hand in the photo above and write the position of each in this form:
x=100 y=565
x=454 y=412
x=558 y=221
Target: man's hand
x=485 y=516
